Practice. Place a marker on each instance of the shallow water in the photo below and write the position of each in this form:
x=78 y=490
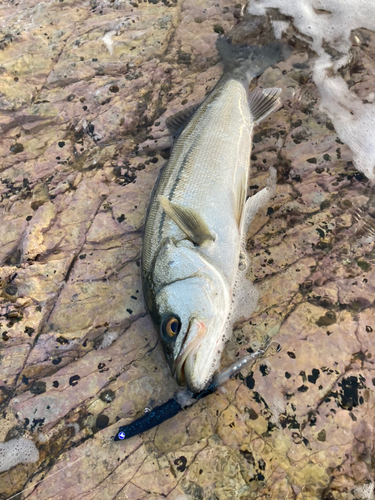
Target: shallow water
x=85 y=91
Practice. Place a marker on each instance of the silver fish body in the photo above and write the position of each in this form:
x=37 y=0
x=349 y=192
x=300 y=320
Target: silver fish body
x=195 y=226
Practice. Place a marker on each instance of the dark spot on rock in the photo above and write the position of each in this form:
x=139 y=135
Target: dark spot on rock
x=364 y=265
x=312 y=417
x=260 y=476
x=270 y=211
x=25 y=380
x=107 y=396
x=349 y=397
x=70 y=97
x=154 y=159
x=264 y=370
x=56 y=361
x=121 y=218
x=326 y=157
x=114 y=88
x=250 y=382
x=14 y=433
x=200 y=471
x=330 y=126
x=352 y=416
x=74 y=380
x=16 y=148
x=321 y=435
x=29 y=330
x=55 y=383
x=62 y=340
x=181 y=463
x=311 y=160
x=102 y=421
x=29 y=217
x=319 y=170
x=94 y=59
x=297 y=123
x=287 y=375
x=38 y=387
x=360 y=177
x=291 y=354
x=325 y=204
x=218 y=29
x=248 y=456
x=129 y=311
x=61 y=144
x=11 y=290
x=303 y=375
x=84 y=108
x=328 y=319
x=303 y=388
x=314 y=377
x=262 y=464
x=83 y=256
x=101 y=366
x=252 y=413
x=368 y=329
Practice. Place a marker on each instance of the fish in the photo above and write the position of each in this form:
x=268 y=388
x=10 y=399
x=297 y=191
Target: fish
x=198 y=218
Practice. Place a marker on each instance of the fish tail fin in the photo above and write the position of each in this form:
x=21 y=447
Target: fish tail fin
x=263 y=102
x=244 y=62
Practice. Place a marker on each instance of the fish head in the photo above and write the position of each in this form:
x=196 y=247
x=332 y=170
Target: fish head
x=192 y=303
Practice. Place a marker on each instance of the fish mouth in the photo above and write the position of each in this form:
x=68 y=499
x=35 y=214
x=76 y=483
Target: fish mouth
x=184 y=364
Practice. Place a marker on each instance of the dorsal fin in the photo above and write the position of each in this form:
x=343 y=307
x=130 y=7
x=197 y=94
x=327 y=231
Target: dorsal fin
x=188 y=220
x=177 y=122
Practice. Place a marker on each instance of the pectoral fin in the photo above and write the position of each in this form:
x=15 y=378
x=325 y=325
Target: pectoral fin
x=189 y=221
x=263 y=102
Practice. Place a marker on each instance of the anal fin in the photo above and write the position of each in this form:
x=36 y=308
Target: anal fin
x=263 y=102
x=188 y=220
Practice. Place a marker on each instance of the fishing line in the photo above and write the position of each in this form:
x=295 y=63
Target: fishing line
x=57 y=472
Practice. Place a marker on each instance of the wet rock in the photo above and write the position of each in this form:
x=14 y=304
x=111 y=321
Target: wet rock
x=83 y=141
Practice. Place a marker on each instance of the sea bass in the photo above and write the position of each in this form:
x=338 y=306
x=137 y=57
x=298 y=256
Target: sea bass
x=198 y=218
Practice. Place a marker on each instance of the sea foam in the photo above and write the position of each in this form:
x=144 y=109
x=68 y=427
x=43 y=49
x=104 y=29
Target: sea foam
x=331 y=21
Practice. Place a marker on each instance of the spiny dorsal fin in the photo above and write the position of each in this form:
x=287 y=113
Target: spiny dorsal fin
x=189 y=221
x=177 y=122
x=263 y=102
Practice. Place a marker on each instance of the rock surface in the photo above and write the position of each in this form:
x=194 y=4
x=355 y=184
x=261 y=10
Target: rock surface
x=86 y=89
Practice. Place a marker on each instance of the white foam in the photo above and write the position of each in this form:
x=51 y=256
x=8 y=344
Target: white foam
x=17 y=451
x=366 y=491
x=279 y=27
x=108 y=339
x=333 y=21
x=108 y=42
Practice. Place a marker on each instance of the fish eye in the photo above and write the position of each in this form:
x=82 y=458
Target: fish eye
x=171 y=326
